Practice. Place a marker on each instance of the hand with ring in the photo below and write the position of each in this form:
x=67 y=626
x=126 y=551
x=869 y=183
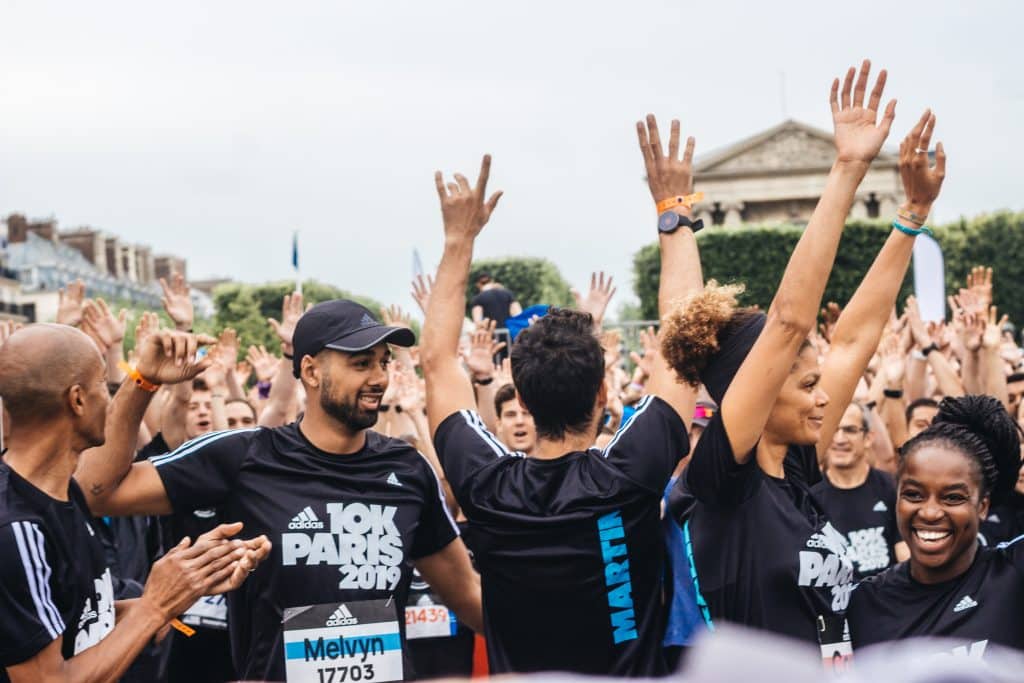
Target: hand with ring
x=921 y=180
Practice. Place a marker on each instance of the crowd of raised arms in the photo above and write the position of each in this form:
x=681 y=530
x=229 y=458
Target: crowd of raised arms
x=373 y=507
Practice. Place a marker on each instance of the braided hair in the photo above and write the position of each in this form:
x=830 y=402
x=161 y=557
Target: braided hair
x=980 y=428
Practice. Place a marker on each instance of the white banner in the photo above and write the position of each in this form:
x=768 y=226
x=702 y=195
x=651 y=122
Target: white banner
x=929 y=278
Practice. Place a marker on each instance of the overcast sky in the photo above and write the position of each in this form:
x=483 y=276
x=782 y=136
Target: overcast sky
x=213 y=129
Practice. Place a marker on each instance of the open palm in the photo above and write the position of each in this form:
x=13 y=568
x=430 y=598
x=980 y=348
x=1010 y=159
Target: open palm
x=858 y=132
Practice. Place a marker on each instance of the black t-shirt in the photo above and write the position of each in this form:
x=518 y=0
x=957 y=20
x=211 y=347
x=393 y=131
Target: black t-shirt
x=764 y=552
x=337 y=523
x=866 y=515
x=569 y=550
x=495 y=303
x=1004 y=522
x=982 y=605
x=53 y=578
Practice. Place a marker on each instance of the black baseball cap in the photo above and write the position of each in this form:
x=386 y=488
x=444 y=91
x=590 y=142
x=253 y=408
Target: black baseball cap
x=342 y=325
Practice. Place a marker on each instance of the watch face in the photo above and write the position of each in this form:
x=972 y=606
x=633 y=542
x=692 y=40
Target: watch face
x=668 y=221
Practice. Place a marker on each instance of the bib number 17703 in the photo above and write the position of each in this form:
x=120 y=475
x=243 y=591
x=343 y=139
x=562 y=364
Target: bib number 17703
x=341 y=674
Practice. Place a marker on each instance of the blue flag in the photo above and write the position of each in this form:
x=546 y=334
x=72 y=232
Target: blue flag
x=295 y=250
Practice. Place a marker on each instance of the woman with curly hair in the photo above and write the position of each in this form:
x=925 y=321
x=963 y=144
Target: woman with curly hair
x=761 y=550
x=948 y=476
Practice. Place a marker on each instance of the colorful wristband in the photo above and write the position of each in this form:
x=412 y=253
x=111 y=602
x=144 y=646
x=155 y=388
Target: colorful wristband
x=911 y=217
x=913 y=232
x=134 y=376
x=682 y=200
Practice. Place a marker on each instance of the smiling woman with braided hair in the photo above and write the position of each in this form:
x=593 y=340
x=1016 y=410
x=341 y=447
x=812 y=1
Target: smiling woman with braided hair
x=949 y=475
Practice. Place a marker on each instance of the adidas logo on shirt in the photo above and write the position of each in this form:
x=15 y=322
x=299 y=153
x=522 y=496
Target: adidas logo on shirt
x=393 y=480
x=966 y=603
x=994 y=519
x=342 y=617
x=306 y=519
x=880 y=506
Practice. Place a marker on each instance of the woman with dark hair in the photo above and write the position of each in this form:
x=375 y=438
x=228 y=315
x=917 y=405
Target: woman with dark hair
x=761 y=549
x=949 y=475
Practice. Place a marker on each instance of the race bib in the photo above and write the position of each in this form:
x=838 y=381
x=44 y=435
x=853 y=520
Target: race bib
x=429 y=620
x=834 y=638
x=343 y=641
x=209 y=611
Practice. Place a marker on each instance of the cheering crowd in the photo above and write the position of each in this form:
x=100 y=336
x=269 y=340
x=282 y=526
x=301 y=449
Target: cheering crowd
x=363 y=505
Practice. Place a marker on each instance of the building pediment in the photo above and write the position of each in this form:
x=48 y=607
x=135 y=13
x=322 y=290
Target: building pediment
x=790 y=147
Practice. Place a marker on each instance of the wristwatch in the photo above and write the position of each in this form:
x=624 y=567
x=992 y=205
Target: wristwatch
x=670 y=221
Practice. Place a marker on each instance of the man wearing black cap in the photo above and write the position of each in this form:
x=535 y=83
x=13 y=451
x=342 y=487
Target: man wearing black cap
x=349 y=511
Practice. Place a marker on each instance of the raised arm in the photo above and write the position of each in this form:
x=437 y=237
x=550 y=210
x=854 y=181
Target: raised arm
x=465 y=213
x=671 y=176
x=167 y=357
x=861 y=323
x=858 y=138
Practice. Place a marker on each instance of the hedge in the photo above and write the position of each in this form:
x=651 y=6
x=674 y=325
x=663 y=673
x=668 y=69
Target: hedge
x=532 y=280
x=757 y=256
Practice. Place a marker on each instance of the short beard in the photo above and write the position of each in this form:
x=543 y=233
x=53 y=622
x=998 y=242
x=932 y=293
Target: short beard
x=348 y=414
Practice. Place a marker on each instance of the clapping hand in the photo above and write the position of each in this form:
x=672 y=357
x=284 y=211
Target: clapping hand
x=858 y=132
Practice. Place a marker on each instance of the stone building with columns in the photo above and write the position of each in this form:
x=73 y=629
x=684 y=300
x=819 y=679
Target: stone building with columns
x=777 y=176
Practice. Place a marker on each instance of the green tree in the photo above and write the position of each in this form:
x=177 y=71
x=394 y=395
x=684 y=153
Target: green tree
x=247 y=307
x=532 y=280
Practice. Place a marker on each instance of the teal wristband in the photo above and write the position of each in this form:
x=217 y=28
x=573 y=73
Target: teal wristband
x=913 y=232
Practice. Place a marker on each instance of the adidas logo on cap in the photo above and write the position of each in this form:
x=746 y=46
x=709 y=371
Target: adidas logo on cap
x=393 y=480
x=880 y=506
x=966 y=603
x=306 y=519
x=342 y=617
x=367 y=321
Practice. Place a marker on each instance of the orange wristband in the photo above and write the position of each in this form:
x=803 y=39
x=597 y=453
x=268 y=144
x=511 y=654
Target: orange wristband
x=688 y=201
x=134 y=376
x=183 y=628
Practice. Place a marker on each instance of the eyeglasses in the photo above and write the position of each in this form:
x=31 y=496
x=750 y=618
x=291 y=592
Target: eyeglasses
x=850 y=430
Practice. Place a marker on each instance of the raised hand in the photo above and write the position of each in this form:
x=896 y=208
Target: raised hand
x=894 y=362
x=264 y=364
x=482 y=348
x=7 y=328
x=169 y=357
x=667 y=175
x=99 y=322
x=394 y=316
x=421 y=287
x=596 y=302
x=859 y=133
x=70 y=301
x=503 y=372
x=993 y=335
x=921 y=181
x=149 y=323
x=463 y=207
x=177 y=301
x=645 y=361
x=225 y=353
x=979 y=282
x=291 y=311
x=829 y=317
x=918 y=330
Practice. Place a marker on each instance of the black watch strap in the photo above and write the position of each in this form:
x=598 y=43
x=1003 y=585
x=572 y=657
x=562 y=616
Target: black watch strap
x=928 y=349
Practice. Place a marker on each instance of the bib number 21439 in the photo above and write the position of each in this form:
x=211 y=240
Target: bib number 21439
x=343 y=642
